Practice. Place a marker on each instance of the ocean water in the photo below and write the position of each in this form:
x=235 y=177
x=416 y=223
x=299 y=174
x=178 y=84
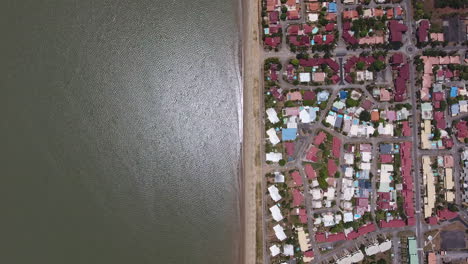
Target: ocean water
x=120 y=131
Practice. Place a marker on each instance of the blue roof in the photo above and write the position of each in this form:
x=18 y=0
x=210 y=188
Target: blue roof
x=343 y=94
x=386 y=148
x=453 y=92
x=339 y=121
x=332 y=7
x=289 y=134
x=454 y=109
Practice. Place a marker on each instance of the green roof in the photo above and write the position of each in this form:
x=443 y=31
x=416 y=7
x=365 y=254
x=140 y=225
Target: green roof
x=413 y=250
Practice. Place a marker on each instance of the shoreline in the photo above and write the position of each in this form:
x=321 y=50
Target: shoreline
x=250 y=147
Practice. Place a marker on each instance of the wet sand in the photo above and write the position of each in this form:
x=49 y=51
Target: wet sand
x=251 y=129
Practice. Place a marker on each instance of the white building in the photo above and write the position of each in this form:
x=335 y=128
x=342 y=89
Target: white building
x=276 y=213
x=272 y=136
x=274 y=193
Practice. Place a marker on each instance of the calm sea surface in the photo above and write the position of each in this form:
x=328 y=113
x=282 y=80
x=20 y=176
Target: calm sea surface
x=120 y=131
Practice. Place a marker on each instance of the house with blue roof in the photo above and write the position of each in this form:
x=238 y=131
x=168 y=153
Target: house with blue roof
x=453 y=91
x=288 y=134
x=343 y=94
x=455 y=109
x=386 y=148
x=332 y=7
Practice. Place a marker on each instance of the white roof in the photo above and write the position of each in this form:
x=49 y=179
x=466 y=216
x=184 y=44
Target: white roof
x=276 y=213
x=279 y=178
x=386 y=245
x=304 y=77
x=274 y=156
x=272 y=115
x=274 y=193
x=348 y=193
x=372 y=250
x=316 y=194
x=304 y=116
x=288 y=250
x=316 y=204
x=330 y=193
x=365 y=166
x=292 y=122
x=348 y=217
x=357 y=256
x=349 y=158
x=279 y=232
x=312 y=17
x=275 y=250
x=366 y=156
x=272 y=136
x=328 y=220
x=349 y=171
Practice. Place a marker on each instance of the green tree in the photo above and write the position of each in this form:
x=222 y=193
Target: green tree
x=282 y=162
x=365 y=116
x=295 y=62
x=360 y=65
x=351 y=102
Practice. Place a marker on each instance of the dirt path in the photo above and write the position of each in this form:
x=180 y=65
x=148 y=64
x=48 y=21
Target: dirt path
x=252 y=132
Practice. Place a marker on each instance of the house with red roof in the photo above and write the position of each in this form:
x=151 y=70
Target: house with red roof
x=392 y=223
x=296 y=178
x=310 y=172
x=397 y=58
x=320 y=138
x=432 y=220
x=332 y=168
x=446 y=214
x=303 y=216
x=312 y=154
x=396 y=30
x=462 y=130
x=290 y=147
x=298 y=198
x=422 y=31
x=272 y=41
x=336 y=147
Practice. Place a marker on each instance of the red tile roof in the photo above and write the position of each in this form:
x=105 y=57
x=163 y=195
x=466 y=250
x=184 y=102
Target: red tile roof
x=446 y=214
x=298 y=198
x=386 y=158
x=336 y=147
x=462 y=129
x=296 y=178
x=422 y=30
x=396 y=30
x=392 y=223
x=330 y=27
x=352 y=235
x=303 y=215
x=320 y=237
x=332 y=168
x=320 y=138
x=336 y=237
x=309 y=95
x=397 y=58
x=366 y=229
x=273 y=42
x=290 y=146
x=312 y=154
x=310 y=172
x=432 y=220
x=411 y=221
x=309 y=254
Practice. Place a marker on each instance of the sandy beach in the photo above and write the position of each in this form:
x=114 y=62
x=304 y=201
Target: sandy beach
x=251 y=124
